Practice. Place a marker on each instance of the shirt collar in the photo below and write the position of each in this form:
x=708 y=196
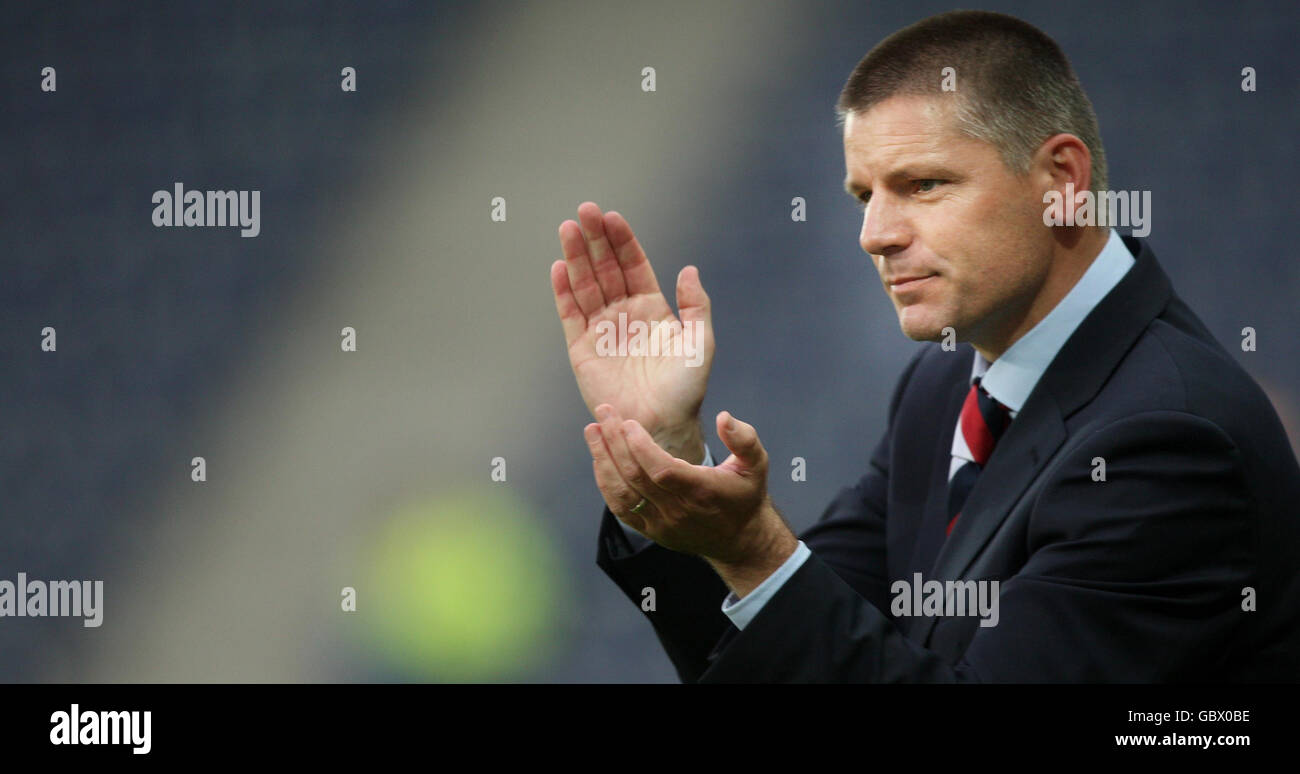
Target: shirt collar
x=1011 y=378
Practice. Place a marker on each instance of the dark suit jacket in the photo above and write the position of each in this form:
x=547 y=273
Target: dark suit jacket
x=1141 y=577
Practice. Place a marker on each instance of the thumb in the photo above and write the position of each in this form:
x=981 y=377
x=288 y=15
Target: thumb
x=742 y=439
x=692 y=301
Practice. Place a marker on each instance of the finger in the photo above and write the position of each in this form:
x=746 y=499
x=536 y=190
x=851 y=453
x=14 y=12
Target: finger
x=673 y=475
x=572 y=319
x=620 y=498
x=582 y=279
x=742 y=439
x=638 y=275
x=692 y=302
x=611 y=426
x=609 y=275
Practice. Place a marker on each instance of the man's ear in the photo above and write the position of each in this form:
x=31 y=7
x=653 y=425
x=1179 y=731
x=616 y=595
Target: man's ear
x=1063 y=159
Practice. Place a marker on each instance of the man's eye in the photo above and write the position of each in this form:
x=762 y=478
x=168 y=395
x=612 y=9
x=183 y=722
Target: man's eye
x=863 y=200
x=925 y=186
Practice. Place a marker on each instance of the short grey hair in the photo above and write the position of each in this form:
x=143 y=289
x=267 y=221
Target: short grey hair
x=1015 y=86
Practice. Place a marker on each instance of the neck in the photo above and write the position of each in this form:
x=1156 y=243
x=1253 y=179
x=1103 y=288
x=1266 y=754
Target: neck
x=1072 y=254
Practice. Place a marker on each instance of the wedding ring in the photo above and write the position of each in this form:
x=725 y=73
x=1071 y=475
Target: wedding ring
x=637 y=508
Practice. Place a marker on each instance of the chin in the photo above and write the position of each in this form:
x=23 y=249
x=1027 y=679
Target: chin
x=919 y=328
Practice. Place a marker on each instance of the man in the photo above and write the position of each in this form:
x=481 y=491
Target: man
x=1112 y=497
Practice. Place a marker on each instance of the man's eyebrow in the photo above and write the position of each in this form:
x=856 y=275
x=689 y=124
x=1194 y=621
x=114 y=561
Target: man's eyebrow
x=905 y=171
x=857 y=189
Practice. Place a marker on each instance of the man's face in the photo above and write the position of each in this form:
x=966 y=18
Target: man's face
x=943 y=206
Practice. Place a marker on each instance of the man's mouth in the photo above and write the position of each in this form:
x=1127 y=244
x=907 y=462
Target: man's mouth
x=909 y=282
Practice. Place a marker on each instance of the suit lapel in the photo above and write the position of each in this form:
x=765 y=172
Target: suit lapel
x=1072 y=379
x=1021 y=453
x=934 y=518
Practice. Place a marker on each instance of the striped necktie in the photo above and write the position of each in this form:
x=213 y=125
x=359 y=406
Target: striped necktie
x=983 y=420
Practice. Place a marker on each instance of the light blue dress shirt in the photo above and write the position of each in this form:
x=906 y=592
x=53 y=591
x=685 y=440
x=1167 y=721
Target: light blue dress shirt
x=1009 y=380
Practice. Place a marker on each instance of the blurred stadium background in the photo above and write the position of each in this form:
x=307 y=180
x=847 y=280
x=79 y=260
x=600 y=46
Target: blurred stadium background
x=372 y=469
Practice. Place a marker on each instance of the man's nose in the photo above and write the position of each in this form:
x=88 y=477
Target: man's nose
x=884 y=229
